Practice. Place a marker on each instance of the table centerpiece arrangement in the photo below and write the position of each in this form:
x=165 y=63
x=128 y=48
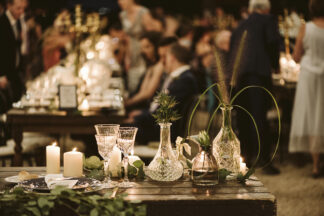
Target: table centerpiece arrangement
x=226 y=146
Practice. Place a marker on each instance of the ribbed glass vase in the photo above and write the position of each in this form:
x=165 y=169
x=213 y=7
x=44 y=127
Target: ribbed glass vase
x=164 y=166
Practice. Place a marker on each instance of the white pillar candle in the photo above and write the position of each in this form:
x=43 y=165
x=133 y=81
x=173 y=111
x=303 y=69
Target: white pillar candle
x=73 y=163
x=114 y=163
x=53 y=159
x=242 y=166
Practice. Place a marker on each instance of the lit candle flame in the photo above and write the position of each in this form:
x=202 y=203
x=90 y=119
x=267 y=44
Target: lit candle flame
x=54 y=143
x=74 y=149
x=241 y=160
x=85 y=105
x=207 y=193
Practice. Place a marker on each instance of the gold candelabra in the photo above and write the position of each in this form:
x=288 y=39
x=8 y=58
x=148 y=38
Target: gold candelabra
x=287 y=24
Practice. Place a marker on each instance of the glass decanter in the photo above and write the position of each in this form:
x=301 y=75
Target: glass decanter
x=204 y=169
x=164 y=166
x=226 y=146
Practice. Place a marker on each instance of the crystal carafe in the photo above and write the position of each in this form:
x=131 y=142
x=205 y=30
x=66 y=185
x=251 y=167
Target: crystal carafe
x=226 y=146
x=165 y=166
x=204 y=169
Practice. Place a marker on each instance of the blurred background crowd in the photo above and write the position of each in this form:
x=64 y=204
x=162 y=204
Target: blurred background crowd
x=170 y=46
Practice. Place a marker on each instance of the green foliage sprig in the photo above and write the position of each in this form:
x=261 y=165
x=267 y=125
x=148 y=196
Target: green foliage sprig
x=136 y=170
x=222 y=174
x=93 y=162
x=67 y=201
x=165 y=112
x=203 y=140
x=243 y=177
x=94 y=169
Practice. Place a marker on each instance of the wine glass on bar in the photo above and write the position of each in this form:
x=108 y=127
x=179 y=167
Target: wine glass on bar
x=106 y=140
x=125 y=142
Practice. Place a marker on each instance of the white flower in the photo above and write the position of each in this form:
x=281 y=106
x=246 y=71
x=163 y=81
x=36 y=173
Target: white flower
x=180 y=145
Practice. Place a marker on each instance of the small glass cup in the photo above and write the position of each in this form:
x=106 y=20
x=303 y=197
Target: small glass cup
x=125 y=142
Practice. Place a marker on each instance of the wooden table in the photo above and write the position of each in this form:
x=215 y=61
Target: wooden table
x=55 y=122
x=180 y=198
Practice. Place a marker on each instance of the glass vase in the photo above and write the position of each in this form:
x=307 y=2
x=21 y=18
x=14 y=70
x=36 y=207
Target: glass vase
x=204 y=169
x=226 y=146
x=164 y=166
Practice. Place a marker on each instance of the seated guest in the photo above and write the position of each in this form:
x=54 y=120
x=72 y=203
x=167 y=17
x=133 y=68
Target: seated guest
x=202 y=50
x=154 y=57
x=164 y=45
x=185 y=34
x=135 y=20
x=179 y=83
x=203 y=62
x=151 y=79
x=34 y=66
x=55 y=40
x=119 y=45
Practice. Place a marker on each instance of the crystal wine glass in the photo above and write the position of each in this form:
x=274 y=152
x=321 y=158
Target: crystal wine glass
x=107 y=129
x=106 y=140
x=125 y=142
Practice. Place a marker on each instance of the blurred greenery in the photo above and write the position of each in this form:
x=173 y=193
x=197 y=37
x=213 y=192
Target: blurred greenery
x=17 y=202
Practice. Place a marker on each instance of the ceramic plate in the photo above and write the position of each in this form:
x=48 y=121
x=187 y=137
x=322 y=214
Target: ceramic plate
x=39 y=184
x=14 y=179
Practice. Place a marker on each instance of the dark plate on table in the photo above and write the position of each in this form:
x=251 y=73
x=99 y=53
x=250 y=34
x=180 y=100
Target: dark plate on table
x=39 y=184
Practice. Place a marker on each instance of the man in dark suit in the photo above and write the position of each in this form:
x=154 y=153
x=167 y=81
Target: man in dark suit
x=260 y=58
x=179 y=83
x=11 y=84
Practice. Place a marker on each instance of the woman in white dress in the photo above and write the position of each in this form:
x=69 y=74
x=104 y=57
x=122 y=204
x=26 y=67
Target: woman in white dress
x=135 y=19
x=307 y=129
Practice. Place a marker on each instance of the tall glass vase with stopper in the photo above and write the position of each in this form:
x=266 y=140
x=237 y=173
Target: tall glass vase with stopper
x=226 y=146
x=165 y=166
x=106 y=140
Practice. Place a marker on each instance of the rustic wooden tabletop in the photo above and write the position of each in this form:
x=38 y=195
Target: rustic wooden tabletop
x=181 y=198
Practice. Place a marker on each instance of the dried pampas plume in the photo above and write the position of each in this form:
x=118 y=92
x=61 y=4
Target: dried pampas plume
x=221 y=78
x=238 y=59
x=222 y=87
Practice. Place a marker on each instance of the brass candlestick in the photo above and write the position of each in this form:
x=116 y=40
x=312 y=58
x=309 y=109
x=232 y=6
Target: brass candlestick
x=286 y=32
